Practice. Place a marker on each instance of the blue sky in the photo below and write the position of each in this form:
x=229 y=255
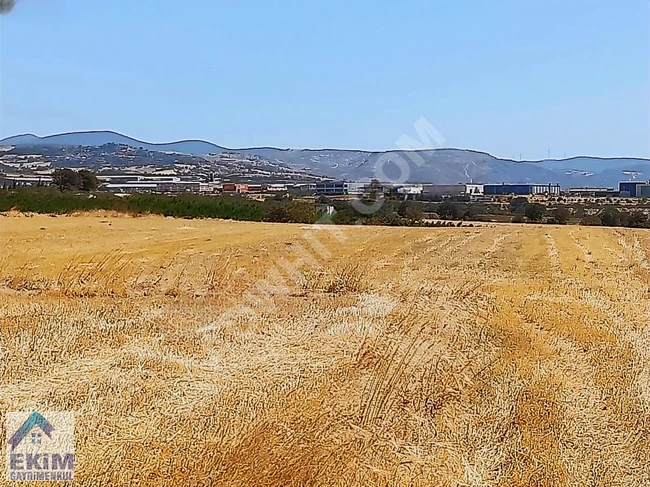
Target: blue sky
x=507 y=77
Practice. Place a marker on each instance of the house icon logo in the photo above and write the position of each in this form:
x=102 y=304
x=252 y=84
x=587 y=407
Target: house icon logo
x=34 y=420
x=40 y=446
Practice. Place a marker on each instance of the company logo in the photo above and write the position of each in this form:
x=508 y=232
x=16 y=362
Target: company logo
x=40 y=446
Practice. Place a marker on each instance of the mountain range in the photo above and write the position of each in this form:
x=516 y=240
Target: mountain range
x=443 y=166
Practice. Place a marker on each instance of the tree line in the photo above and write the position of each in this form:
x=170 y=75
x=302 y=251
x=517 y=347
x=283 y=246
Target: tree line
x=53 y=201
x=283 y=208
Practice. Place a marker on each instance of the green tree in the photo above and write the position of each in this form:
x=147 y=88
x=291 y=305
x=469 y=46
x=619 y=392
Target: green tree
x=534 y=212
x=471 y=212
x=518 y=204
x=561 y=215
x=390 y=218
x=610 y=217
x=402 y=208
x=291 y=212
x=374 y=189
x=88 y=181
x=410 y=210
x=66 y=179
x=302 y=213
x=277 y=214
x=414 y=214
x=450 y=211
x=637 y=219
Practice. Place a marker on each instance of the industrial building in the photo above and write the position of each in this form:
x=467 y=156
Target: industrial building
x=452 y=189
x=183 y=187
x=25 y=180
x=127 y=183
x=334 y=188
x=410 y=189
x=275 y=188
x=521 y=189
x=354 y=188
x=330 y=188
x=241 y=188
x=593 y=191
x=134 y=178
x=131 y=187
x=634 y=189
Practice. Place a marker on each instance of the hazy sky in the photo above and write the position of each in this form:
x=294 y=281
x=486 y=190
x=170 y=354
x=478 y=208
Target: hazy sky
x=507 y=77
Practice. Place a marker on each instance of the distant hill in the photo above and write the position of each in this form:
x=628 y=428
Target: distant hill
x=114 y=159
x=98 y=138
x=439 y=166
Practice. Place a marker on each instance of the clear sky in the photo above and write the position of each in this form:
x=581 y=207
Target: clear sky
x=507 y=77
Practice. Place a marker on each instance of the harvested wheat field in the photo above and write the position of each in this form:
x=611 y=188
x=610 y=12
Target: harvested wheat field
x=247 y=354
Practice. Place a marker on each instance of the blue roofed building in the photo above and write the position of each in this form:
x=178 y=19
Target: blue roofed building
x=634 y=189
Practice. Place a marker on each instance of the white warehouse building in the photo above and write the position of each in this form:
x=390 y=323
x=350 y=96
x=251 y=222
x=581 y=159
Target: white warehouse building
x=452 y=189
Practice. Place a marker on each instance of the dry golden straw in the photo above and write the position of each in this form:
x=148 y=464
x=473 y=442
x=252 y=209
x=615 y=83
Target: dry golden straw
x=490 y=356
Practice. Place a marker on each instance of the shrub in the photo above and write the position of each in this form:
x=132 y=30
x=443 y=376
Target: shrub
x=561 y=215
x=518 y=204
x=450 y=211
x=292 y=212
x=637 y=219
x=610 y=217
x=591 y=220
x=534 y=212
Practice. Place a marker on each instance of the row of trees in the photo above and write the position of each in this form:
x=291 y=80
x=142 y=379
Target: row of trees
x=290 y=212
x=284 y=209
x=49 y=200
x=415 y=213
x=612 y=217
